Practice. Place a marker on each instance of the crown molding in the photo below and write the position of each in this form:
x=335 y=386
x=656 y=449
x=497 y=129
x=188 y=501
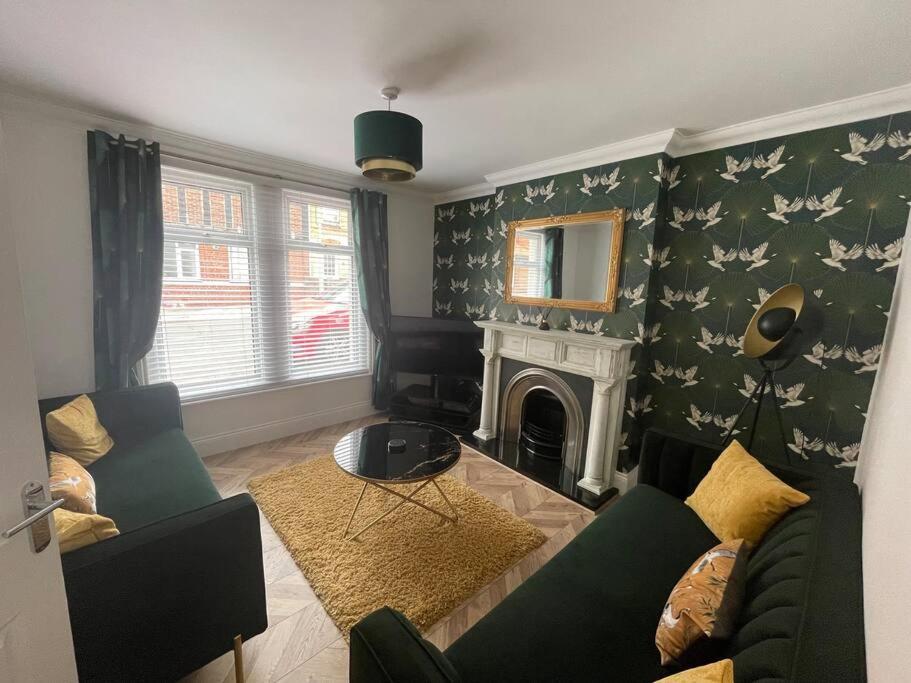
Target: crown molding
x=16 y=104
x=467 y=192
x=605 y=154
x=859 y=108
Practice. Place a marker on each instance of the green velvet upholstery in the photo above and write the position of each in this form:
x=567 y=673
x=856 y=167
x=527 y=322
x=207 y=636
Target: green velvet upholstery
x=590 y=613
x=152 y=480
x=185 y=575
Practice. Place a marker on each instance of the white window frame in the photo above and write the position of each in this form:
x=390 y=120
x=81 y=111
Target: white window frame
x=539 y=265
x=272 y=378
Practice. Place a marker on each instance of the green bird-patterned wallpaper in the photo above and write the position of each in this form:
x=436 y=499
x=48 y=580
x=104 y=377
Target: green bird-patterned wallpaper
x=708 y=237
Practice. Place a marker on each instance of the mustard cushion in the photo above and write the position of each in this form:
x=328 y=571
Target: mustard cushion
x=704 y=603
x=75 y=529
x=70 y=480
x=716 y=672
x=739 y=498
x=74 y=429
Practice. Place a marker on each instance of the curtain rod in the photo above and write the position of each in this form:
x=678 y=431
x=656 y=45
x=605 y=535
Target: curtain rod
x=240 y=169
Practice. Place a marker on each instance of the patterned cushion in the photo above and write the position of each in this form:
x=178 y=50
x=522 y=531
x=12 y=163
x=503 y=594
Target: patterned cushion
x=739 y=498
x=74 y=429
x=70 y=480
x=75 y=530
x=704 y=603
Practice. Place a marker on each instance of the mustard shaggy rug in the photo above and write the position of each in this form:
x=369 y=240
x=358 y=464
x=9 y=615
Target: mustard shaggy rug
x=412 y=560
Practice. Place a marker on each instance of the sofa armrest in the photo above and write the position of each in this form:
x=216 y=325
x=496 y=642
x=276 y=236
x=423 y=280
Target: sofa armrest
x=674 y=464
x=130 y=415
x=159 y=602
x=387 y=648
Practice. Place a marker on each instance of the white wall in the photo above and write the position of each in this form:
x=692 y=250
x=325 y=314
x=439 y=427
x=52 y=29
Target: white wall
x=49 y=209
x=884 y=475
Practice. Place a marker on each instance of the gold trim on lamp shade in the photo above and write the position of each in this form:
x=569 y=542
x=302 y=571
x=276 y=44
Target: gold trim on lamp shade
x=754 y=344
x=387 y=169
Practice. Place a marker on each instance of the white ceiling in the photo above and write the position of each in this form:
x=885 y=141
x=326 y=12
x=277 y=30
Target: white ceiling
x=497 y=84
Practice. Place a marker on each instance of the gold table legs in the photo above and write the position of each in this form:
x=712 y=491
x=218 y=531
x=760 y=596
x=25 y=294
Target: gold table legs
x=404 y=499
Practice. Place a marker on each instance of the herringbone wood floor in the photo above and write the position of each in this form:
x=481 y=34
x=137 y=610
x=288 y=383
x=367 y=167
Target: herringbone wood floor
x=302 y=643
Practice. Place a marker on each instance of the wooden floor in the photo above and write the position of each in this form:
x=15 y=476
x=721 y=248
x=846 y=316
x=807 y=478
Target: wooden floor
x=302 y=643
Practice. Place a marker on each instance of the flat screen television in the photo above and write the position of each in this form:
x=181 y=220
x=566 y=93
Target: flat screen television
x=432 y=346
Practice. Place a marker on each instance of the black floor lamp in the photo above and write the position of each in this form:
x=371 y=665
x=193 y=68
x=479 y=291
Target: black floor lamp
x=772 y=338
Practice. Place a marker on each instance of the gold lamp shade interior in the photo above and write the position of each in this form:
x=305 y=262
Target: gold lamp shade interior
x=755 y=345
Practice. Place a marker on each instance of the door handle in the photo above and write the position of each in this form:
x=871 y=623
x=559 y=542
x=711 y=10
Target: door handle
x=37 y=508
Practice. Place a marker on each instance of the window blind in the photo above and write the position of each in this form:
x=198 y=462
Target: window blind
x=259 y=287
x=529 y=264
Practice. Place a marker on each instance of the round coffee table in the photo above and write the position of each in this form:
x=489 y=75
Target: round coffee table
x=398 y=453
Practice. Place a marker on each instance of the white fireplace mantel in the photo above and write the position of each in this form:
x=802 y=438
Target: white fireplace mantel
x=605 y=359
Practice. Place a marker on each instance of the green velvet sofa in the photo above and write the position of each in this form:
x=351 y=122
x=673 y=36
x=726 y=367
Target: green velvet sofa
x=590 y=613
x=185 y=575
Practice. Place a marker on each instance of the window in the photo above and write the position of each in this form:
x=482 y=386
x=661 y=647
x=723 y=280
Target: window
x=529 y=264
x=259 y=287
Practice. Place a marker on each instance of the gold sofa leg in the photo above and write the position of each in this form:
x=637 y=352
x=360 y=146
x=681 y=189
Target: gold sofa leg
x=238 y=659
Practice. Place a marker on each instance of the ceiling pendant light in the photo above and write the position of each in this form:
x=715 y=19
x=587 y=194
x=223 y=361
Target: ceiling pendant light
x=387 y=144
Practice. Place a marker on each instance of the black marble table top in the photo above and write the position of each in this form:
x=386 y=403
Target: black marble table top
x=427 y=451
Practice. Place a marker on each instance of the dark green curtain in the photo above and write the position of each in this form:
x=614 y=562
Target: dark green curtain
x=371 y=251
x=127 y=251
x=553 y=263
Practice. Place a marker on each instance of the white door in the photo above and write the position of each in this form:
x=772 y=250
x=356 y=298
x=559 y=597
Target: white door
x=35 y=640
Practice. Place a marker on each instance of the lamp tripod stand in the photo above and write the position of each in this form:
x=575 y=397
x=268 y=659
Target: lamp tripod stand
x=766 y=385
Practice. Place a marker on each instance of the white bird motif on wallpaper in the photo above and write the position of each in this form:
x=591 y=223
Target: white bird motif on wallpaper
x=498 y=200
x=458 y=286
x=672 y=180
x=531 y=193
x=447 y=214
x=657 y=257
x=860 y=145
x=611 y=181
x=827 y=205
x=791 y=395
x=749 y=386
x=771 y=163
x=645 y=215
x=436 y=284
x=735 y=343
x=838 y=253
x=671 y=297
x=547 y=191
x=734 y=167
x=710 y=215
x=445 y=261
x=474 y=208
x=783 y=206
x=756 y=257
x=847 y=455
x=681 y=216
x=869 y=359
x=464 y=236
x=590 y=326
x=474 y=310
x=493 y=313
x=528 y=318
x=480 y=261
x=698 y=299
x=661 y=174
x=503 y=228
x=634 y=295
x=697 y=418
x=802 y=443
x=817 y=293
x=649 y=335
x=442 y=308
x=488 y=288
x=709 y=340
x=763 y=294
x=726 y=423
x=688 y=376
x=589 y=183
x=639 y=407
x=488 y=233
x=898 y=140
x=661 y=371
x=890 y=256
x=667 y=175
x=720 y=257
x=495 y=259
x=819 y=354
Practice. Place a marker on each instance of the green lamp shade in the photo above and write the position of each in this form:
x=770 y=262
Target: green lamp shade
x=388 y=145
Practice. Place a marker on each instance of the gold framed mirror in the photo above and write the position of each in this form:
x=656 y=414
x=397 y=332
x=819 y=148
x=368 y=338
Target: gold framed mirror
x=570 y=261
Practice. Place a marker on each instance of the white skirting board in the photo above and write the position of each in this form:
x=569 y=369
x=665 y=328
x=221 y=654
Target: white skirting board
x=624 y=481
x=250 y=436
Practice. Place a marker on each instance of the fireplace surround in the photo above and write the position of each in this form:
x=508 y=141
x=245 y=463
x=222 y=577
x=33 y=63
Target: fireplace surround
x=603 y=361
